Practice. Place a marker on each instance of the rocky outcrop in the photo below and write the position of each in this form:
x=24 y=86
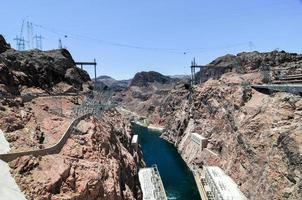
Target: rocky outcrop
x=3 y=45
x=146 y=93
x=142 y=79
x=110 y=83
x=22 y=70
x=275 y=62
x=96 y=163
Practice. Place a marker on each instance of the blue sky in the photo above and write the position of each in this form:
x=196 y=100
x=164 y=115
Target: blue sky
x=139 y=35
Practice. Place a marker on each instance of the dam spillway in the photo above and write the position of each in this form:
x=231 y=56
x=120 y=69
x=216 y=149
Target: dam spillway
x=177 y=178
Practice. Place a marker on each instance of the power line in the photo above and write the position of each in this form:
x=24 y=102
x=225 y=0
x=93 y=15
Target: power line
x=123 y=45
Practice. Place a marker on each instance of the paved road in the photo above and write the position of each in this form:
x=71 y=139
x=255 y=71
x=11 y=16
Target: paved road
x=293 y=88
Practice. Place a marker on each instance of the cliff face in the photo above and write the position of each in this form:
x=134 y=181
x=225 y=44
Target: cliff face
x=254 y=137
x=277 y=63
x=145 y=94
x=97 y=162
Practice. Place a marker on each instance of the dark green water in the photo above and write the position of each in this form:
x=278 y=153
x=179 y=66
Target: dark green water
x=178 y=180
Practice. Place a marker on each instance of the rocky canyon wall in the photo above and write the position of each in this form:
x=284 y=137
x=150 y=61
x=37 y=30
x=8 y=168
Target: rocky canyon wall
x=97 y=160
x=254 y=137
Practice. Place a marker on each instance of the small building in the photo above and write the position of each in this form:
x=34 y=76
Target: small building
x=221 y=185
x=199 y=140
x=134 y=141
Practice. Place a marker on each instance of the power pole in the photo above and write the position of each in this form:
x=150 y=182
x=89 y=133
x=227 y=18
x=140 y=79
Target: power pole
x=39 y=42
x=60 y=46
x=32 y=34
x=20 y=43
x=28 y=35
x=94 y=70
x=30 y=30
x=251 y=46
x=20 y=39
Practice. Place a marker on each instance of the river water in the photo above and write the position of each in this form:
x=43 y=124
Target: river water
x=178 y=180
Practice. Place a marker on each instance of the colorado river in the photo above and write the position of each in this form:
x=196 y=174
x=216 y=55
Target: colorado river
x=177 y=178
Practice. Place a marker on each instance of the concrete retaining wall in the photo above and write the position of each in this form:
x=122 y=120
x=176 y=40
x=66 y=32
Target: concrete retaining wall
x=55 y=149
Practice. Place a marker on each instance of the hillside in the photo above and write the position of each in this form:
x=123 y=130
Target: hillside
x=146 y=91
x=111 y=83
x=26 y=71
x=253 y=136
x=95 y=162
x=143 y=79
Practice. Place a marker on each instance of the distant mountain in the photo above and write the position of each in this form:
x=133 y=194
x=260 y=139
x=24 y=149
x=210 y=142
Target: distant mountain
x=180 y=77
x=145 y=78
x=140 y=79
x=115 y=85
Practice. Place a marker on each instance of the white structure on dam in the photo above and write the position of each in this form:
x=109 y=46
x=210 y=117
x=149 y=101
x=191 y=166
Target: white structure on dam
x=134 y=142
x=199 y=140
x=151 y=184
x=221 y=186
x=199 y=143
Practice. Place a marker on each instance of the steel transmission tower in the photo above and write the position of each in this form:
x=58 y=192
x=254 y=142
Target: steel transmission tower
x=60 y=44
x=20 y=43
x=252 y=47
x=38 y=39
x=20 y=39
x=30 y=31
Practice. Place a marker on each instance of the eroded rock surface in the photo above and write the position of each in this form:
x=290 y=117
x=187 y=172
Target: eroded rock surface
x=23 y=71
x=254 y=137
x=99 y=164
x=3 y=45
x=146 y=93
x=256 y=140
x=96 y=162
